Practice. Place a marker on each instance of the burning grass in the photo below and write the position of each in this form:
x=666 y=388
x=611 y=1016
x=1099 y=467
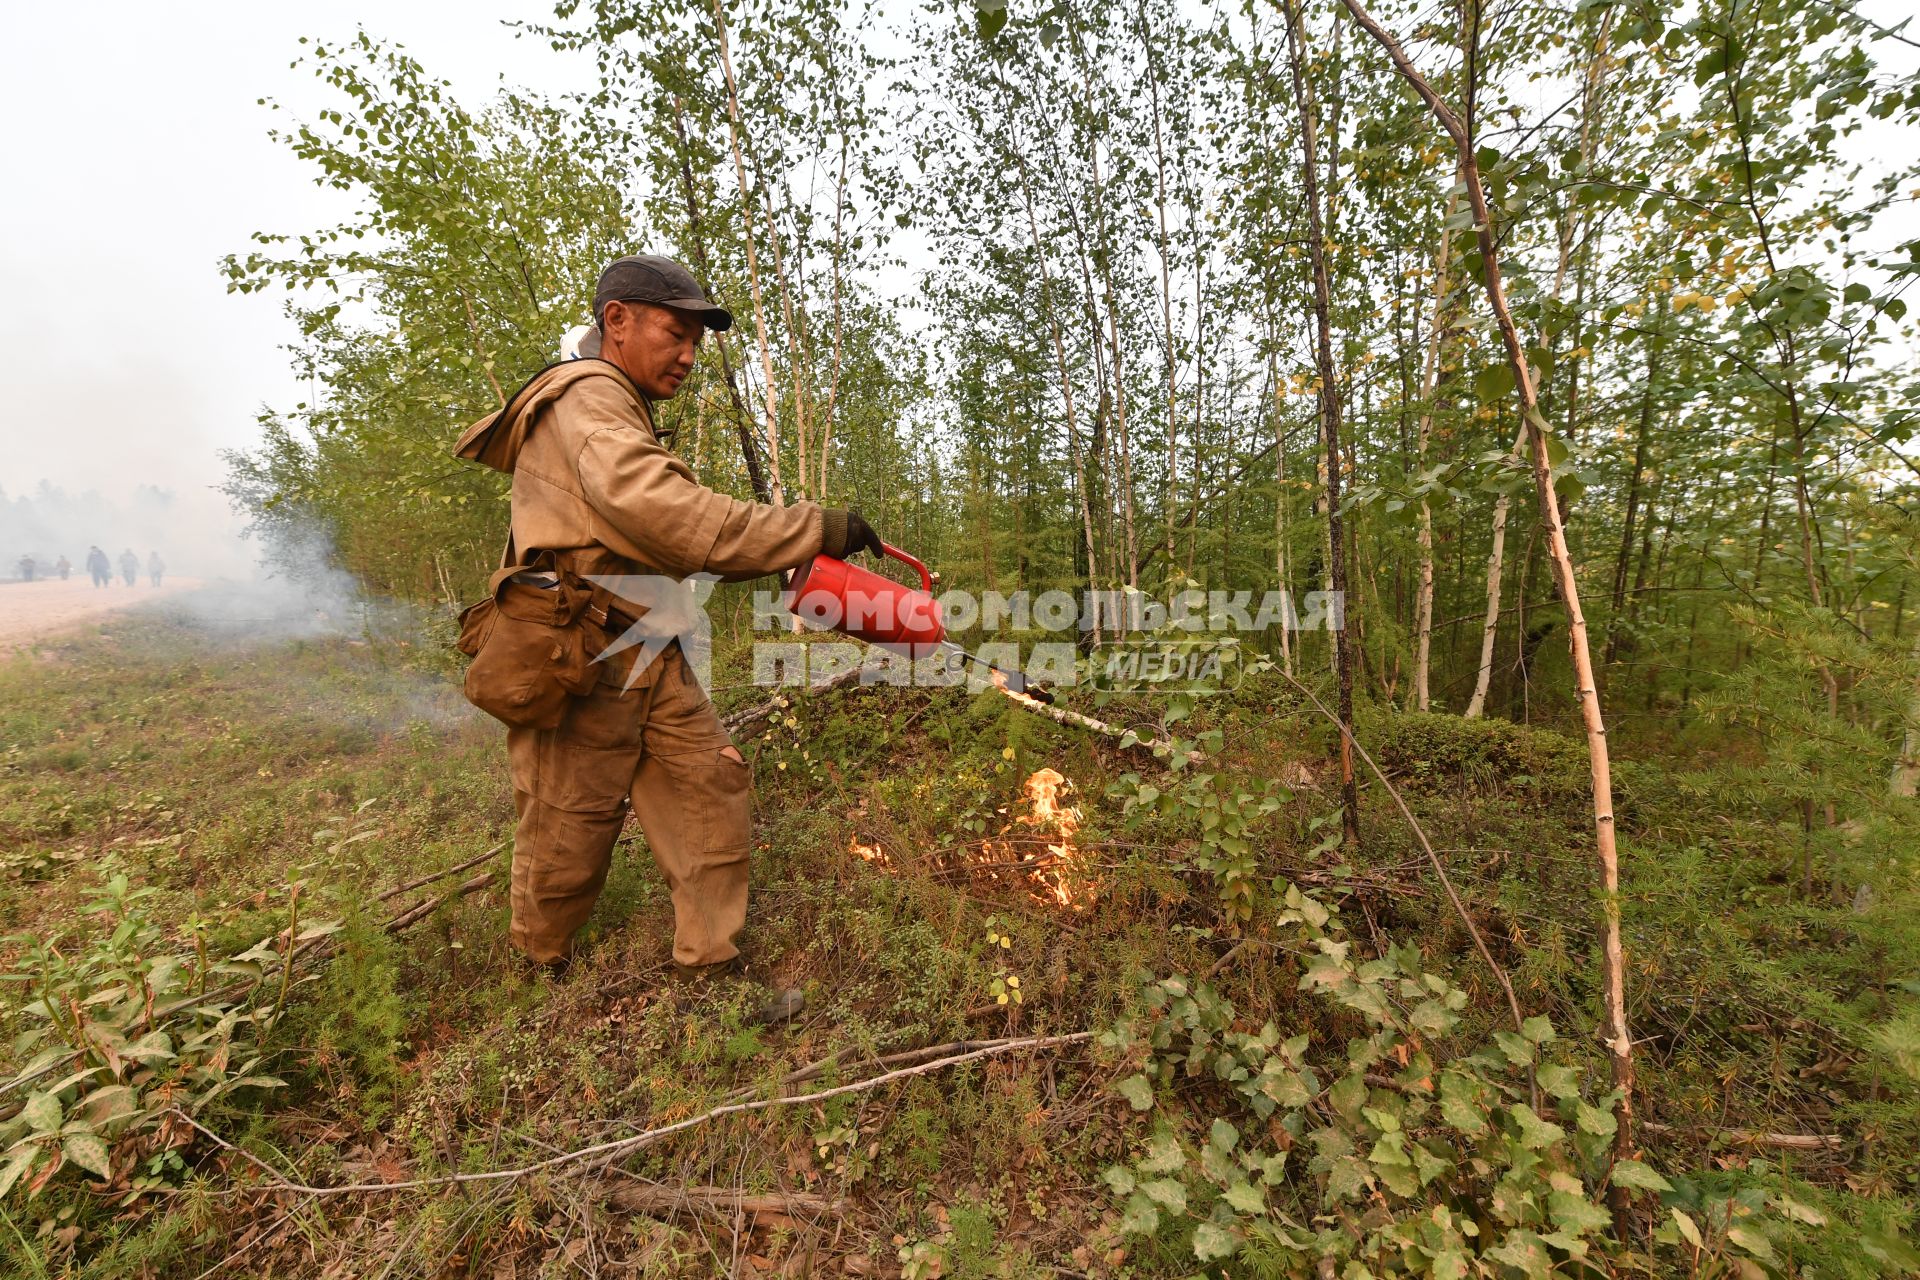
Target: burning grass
x=1035 y=853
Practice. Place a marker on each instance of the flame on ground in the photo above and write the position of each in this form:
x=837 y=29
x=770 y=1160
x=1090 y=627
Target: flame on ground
x=1058 y=877
x=1054 y=875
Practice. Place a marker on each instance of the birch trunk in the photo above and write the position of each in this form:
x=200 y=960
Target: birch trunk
x=1490 y=628
x=1496 y=554
x=1279 y=493
x=1429 y=377
x=1619 y=1039
x=1060 y=354
x=1166 y=278
x=744 y=419
x=1906 y=770
x=1329 y=422
x=748 y=217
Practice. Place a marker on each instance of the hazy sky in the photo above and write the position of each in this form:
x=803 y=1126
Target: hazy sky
x=136 y=157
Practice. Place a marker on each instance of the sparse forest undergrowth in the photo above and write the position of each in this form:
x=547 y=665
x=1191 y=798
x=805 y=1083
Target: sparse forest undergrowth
x=1265 y=1084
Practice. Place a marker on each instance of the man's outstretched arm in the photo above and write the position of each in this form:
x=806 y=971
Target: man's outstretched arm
x=650 y=496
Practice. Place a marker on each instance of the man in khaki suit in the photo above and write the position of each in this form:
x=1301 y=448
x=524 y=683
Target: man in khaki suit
x=594 y=484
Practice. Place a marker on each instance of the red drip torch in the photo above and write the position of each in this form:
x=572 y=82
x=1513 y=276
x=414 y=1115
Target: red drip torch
x=834 y=595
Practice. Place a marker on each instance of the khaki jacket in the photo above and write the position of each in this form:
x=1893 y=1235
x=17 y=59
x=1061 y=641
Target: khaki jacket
x=593 y=483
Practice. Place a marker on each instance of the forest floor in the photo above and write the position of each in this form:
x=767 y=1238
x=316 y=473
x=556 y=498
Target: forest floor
x=237 y=781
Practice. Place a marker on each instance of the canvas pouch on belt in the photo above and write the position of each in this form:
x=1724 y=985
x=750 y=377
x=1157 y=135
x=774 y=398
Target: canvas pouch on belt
x=533 y=640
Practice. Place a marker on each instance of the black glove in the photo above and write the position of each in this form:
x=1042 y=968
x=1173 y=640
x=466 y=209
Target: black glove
x=861 y=537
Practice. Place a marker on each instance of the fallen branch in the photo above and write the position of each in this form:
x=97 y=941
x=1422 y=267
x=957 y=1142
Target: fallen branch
x=411 y=885
x=814 y=1070
x=1127 y=738
x=420 y=911
x=634 y=1142
x=751 y=718
x=1751 y=1138
x=654 y=1199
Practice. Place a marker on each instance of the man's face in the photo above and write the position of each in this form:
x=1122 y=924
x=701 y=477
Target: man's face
x=653 y=345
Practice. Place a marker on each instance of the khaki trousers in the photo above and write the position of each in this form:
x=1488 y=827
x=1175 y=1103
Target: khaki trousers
x=659 y=749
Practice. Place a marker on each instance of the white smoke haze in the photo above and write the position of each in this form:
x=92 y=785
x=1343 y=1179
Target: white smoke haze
x=229 y=581
x=194 y=531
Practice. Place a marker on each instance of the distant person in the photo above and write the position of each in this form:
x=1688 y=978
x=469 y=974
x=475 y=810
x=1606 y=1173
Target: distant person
x=98 y=566
x=130 y=566
x=155 y=567
x=62 y=567
x=26 y=567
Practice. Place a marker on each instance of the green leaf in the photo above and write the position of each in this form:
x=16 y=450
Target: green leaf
x=1399 y=1179
x=1881 y=1246
x=1595 y=1120
x=1559 y=1081
x=42 y=1112
x=1750 y=1239
x=1575 y=1213
x=1688 y=1228
x=19 y=1159
x=1142 y=1216
x=1346 y=1179
x=1163 y=1155
x=1536 y=1133
x=1349 y=1094
x=1167 y=1193
x=1211 y=1241
x=89 y=1152
x=1526 y=1252
x=1120 y=1178
x=1137 y=1090
x=1460 y=1096
x=1538 y=1029
x=1247 y=1198
x=1799 y=1212
x=1632 y=1173
x=1224 y=1136
x=1495 y=382
x=1519 y=1051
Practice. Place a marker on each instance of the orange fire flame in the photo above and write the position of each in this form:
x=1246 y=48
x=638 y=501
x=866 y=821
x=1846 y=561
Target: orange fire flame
x=999 y=679
x=1056 y=876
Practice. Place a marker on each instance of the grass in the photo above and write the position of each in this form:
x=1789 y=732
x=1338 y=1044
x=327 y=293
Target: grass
x=223 y=773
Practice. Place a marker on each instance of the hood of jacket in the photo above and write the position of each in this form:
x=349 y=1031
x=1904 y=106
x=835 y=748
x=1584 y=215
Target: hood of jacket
x=496 y=440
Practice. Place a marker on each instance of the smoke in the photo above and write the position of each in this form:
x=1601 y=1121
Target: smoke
x=269 y=581
x=195 y=533
x=293 y=588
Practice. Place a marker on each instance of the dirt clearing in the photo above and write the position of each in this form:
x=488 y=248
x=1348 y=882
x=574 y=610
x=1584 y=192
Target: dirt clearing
x=31 y=611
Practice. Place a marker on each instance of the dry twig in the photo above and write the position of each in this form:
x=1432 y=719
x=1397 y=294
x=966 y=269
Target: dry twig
x=603 y=1151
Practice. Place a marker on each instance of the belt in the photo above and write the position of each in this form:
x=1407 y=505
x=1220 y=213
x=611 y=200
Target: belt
x=598 y=607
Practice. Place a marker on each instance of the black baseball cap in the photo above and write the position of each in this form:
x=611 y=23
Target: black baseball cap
x=648 y=277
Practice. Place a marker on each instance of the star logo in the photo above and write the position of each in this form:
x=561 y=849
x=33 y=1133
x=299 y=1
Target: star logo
x=665 y=610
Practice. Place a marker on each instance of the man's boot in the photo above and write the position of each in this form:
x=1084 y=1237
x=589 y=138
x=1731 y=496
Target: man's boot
x=695 y=981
